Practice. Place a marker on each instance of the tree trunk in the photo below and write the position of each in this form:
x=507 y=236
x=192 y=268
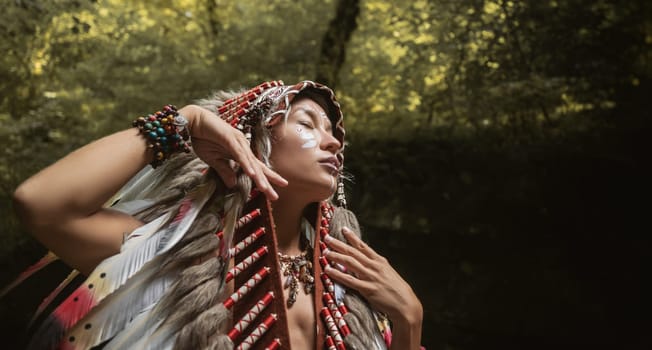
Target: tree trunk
x=333 y=46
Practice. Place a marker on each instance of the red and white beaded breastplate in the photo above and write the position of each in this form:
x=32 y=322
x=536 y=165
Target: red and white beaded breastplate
x=258 y=306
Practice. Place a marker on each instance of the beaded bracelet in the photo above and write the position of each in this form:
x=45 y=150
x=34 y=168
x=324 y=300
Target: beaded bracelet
x=166 y=133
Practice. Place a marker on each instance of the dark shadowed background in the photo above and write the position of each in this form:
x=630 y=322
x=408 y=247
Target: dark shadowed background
x=499 y=148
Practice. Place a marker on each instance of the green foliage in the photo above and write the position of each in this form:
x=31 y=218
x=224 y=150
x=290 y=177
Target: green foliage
x=480 y=107
x=465 y=66
x=76 y=70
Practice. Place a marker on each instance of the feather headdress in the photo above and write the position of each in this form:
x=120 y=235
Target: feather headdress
x=165 y=289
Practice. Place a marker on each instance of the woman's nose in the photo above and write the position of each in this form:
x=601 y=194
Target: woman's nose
x=329 y=142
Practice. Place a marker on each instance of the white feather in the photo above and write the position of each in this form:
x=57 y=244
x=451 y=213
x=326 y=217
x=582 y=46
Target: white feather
x=136 y=187
x=339 y=292
x=377 y=336
x=143 y=246
x=112 y=273
x=137 y=236
x=149 y=183
x=141 y=327
x=118 y=309
x=133 y=207
x=145 y=333
x=161 y=338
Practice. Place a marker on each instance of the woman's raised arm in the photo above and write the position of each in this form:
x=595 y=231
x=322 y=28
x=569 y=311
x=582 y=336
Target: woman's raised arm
x=62 y=204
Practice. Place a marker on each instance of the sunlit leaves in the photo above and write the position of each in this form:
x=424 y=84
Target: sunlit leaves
x=80 y=69
x=471 y=62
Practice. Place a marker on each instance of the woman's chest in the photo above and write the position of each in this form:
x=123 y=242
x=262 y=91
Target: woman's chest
x=301 y=321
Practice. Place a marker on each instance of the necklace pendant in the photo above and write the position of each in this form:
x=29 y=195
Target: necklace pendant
x=292 y=297
x=297 y=270
x=308 y=287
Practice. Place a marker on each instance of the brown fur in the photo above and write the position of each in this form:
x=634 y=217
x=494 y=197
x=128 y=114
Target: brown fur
x=207 y=328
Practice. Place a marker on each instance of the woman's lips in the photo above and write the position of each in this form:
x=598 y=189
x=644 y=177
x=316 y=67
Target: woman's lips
x=332 y=168
x=331 y=160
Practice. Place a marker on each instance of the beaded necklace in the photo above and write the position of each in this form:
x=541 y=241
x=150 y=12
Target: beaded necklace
x=296 y=269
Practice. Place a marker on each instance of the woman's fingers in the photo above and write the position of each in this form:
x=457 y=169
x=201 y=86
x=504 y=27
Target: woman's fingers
x=356 y=247
x=217 y=142
x=273 y=176
x=359 y=244
x=347 y=279
x=239 y=150
x=352 y=264
x=227 y=170
x=354 y=260
x=371 y=275
x=256 y=169
x=237 y=147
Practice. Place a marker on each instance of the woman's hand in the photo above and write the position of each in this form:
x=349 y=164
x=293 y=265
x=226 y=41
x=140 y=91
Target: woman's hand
x=225 y=149
x=373 y=276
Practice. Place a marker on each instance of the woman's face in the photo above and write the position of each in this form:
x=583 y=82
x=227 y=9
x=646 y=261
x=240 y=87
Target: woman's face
x=304 y=150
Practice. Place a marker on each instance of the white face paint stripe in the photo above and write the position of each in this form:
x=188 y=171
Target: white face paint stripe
x=308 y=136
x=309 y=144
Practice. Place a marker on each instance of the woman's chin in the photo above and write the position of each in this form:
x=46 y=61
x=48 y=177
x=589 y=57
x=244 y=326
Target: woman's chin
x=322 y=193
x=323 y=190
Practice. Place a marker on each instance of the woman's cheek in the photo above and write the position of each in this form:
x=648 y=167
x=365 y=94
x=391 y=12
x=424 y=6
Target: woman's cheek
x=308 y=138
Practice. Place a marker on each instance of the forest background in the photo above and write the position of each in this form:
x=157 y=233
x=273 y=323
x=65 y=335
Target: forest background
x=499 y=148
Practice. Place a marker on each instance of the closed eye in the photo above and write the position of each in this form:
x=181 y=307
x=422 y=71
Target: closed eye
x=307 y=124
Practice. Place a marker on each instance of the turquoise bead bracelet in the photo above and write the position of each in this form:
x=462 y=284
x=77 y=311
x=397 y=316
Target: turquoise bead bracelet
x=166 y=133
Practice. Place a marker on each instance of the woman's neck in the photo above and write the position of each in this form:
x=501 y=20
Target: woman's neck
x=287 y=219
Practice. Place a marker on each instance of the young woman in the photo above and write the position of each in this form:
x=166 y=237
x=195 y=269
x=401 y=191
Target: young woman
x=237 y=243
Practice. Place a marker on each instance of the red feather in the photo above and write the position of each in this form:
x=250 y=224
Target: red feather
x=45 y=261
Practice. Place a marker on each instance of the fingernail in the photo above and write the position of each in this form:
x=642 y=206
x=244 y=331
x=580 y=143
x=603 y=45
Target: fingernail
x=341 y=267
x=327 y=238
